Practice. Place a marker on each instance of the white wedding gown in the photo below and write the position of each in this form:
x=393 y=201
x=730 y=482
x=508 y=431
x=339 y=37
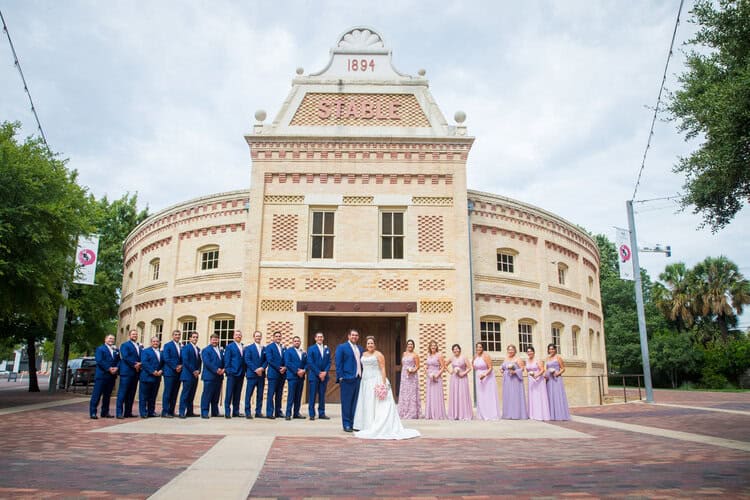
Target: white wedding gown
x=374 y=418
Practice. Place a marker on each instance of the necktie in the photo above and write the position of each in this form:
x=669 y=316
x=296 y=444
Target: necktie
x=158 y=356
x=258 y=346
x=196 y=350
x=279 y=346
x=111 y=352
x=320 y=348
x=177 y=346
x=218 y=353
x=239 y=345
x=356 y=355
x=299 y=353
x=137 y=349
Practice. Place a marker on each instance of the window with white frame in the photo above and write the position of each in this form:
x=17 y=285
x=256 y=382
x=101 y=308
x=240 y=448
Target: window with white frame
x=141 y=328
x=556 y=332
x=525 y=339
x=208 y=258
x=322 y=234
x=489 y=333
x=575 y=331
x=562 y=273
x=187 y=326
x=223 y=326
x=506 y=260
x=157 y=327
x=392 y=235
x=154 y=269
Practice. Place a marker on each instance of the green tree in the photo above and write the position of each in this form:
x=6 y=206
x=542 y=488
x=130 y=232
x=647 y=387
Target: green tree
x=42 y=210
x=674 y=357
x=713 y=105
x=720 y=291
x=675 y=300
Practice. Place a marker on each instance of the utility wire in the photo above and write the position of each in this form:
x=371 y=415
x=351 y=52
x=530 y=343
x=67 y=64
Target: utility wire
x=25 y=85
x=658 y=101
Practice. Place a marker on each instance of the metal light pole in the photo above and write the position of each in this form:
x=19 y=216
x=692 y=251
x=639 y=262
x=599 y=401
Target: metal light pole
x=470 y=209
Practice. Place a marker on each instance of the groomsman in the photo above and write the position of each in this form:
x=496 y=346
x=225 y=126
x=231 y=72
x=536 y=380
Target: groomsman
x=191 y=370
x=276 y=370
x=255 y=368
x=213 y=375
x=234 y=365
x=295 y=360
x=130 y=365
x=152 y=368
x=318 y=364
x=349 y=375
x=172 y=370
x=107 y=362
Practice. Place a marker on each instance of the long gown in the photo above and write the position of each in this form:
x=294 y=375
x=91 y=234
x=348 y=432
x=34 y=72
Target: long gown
x=434 y=404
x=408 y=396
x=514 y=401
x=487 y=407
x=538 y=403
x=558 y=400
x=459 y=397
x=375 y=418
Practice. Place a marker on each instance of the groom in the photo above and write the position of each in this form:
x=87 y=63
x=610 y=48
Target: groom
x=348 y=375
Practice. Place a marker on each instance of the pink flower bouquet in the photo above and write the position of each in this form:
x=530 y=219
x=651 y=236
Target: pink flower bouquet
x=381 y=391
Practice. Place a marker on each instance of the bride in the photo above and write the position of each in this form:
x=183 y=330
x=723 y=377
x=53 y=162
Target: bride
x=377 y=418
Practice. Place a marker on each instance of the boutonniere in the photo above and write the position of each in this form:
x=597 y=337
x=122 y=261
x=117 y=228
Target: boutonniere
x=221 y=350
x=115 y=351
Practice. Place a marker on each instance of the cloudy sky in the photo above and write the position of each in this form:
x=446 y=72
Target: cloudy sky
x=155 y=97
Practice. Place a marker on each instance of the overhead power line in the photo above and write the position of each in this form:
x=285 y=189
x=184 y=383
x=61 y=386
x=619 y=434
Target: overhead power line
x=658 y=101
x=25 y=85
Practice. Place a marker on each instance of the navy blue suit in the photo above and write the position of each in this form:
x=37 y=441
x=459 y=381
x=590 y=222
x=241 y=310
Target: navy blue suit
x=235 y=371
x=316 y=364
x=346 y=376
x=254 y=360
x=152 y=361
x=171 y=355
x=130 y=354
x=212 y=362
x=295 y=383
x=275 y=361
x=104 y=381
x=191 y=362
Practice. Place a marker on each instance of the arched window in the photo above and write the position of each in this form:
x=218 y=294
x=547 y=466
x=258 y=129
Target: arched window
x=141 y=328
x=525 y=334
x=506 y=260
x=575 y=332
x=208 y=257
x=223 y=326
x=591 y=344
x=562 y=273
x=489 y=332
x=187 y=326
x=591 y=286
x=557 y=329
x=157 y=327
x=153 y=267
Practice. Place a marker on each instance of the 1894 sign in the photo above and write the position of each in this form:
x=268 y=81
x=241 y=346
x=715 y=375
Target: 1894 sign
x=360 y=65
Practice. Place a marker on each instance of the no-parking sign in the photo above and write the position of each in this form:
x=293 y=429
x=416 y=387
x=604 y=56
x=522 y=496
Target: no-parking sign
x=86 y=257
x=624 y=254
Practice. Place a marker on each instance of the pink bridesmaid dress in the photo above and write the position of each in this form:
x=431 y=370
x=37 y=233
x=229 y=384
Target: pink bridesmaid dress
x=538 y=401
x=487 y=405
x=434 y=408
x=459 y=397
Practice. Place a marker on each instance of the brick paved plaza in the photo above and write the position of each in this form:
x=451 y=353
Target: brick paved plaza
x=687 y=445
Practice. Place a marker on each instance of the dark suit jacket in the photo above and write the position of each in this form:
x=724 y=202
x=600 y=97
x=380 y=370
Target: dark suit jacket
x=293 y=363
x=233 y=361
x=211 y=364
x=171 y=359
x=253 y=360
x=275 y=360
x=316 y=363
x=151 y=363
x=190 y=361
x=105 y=361
x=129 y=356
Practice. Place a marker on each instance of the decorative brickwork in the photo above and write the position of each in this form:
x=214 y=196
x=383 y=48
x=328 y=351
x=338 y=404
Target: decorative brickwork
x=589 y=264
x=565 y=308
x=594 y=317
x=358 y=200
x=125 y=312
x=285 y=327
x=284 y=232
x=508 y=299
x=393 y=284
x=317 y=283
x=130 y=260
x=409 y=113
x=205 y=231
x=277 y=305
x=282 y=199
x=281 y=283
x=367 y=178
x=150 y=304
x=429 y=332
x=430 y=284
x=157 y=244
x=436 y=307
x=198 y=297
x=561 y=250
x=504 y=232
x=430 y=233
x=433 y=201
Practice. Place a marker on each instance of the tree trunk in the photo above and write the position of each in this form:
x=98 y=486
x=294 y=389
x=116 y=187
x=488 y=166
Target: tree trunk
x=31 y=353
x=63 y=382
x=722 y=320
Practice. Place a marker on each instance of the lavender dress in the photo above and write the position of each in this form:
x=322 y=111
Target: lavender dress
x=514 y=401
x=408 y=395
x=459 y=398
x=558 y=401
x=434 y=407
x=487 y=407
x=538 y=402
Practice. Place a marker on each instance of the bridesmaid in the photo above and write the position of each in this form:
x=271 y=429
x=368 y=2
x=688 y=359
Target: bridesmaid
x=459 y=397
x=514 y=402
x=558 y=401
x=434 y=408
x=487 y=407
x=538 y=404
x=408 y=395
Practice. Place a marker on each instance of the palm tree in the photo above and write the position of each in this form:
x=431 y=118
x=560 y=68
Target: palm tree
x=675 y=300
x=719 y=290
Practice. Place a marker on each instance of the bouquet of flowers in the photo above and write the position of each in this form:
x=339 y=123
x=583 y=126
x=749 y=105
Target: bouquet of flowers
x=381 y=391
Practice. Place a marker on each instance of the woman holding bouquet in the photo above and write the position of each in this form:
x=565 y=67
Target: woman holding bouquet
x=434 y=407
x=514 y=401
x=408 y=395
x=376 y=416
x=538 y=401
x=558 y=400
x=459 y=396
x=487 y=407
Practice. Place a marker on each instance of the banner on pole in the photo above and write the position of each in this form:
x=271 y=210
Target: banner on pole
x=624 y=254
x=86 y=257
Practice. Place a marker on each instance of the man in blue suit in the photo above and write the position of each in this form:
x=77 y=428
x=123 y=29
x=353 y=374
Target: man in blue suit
x=348 y=376
x=234 y=365
x=255 y=372
x=107 y=362
x=295 y=360
x=130 y=365
x=172 y=370
x=213 y=375
x=318 y=364
x=152 y=368
x=191 y=370
x=276 y=372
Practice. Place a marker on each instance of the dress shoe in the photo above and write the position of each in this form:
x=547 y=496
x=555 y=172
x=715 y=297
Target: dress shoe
x=192 y=415
x=271 y=417
x=347 y=429
x=108 y=416
x=227 y=416
x=167 y=416
x=94 y=417
x=249 y=417
x=183 y=416
x=287 y=418
x=300 y=417
x=153 y=415
x=324 y=417
x=204 y=416
x=312 y=417
x=258 y=415
x=238 y=415
x=120 y=417
x=144 y=416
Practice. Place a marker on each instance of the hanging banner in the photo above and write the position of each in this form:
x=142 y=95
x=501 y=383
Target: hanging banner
x=86 y=257
x=624 y=254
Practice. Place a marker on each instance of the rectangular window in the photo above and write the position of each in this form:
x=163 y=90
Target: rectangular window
x=392 y=235
x=156 y=330
x=188 y=327
x=561 y=275
x=322 y=235
x=210 y=259
x=505 y=262
x=524 y=337
x=489 y=333
x=155 y=270
x=224 y=328
x=556 y=338
x=574 y=338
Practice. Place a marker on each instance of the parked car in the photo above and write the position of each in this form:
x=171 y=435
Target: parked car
x=81 y=371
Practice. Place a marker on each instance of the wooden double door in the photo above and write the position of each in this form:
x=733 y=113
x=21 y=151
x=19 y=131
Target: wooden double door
x=390 y=337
